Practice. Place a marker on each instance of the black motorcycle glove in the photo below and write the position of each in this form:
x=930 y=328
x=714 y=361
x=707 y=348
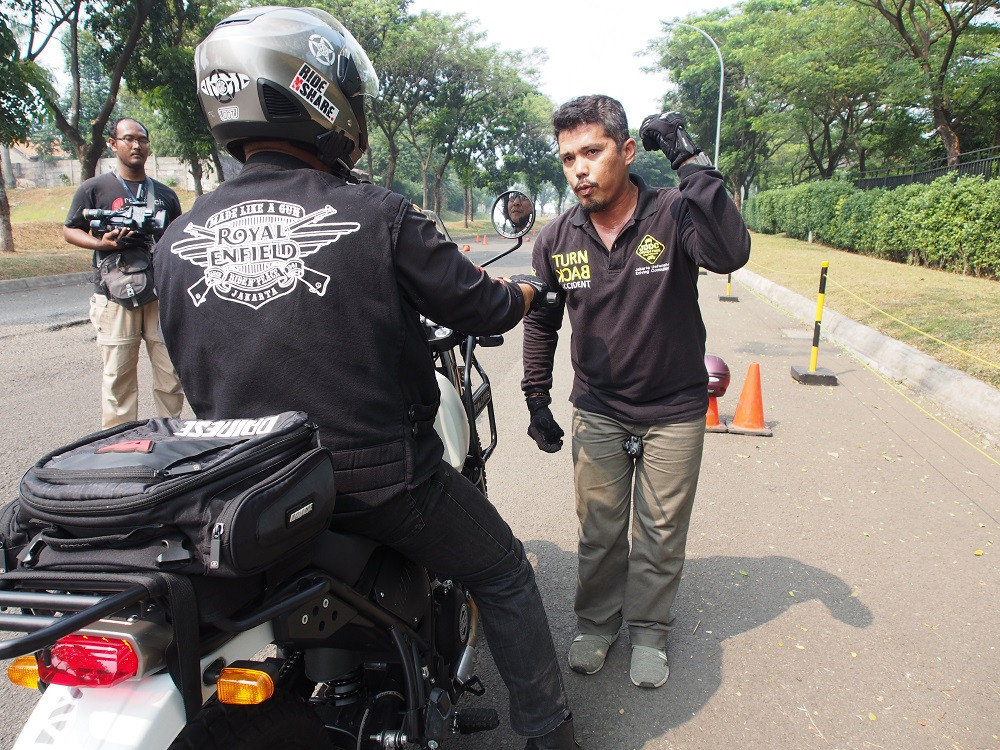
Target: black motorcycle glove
x=665 y=132
x=543 y=428
x=542 y=296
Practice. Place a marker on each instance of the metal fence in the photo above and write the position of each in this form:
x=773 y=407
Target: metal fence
x=985 y=163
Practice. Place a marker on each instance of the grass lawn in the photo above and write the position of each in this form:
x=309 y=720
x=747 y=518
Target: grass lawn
x=960 y=311
x=37 y=217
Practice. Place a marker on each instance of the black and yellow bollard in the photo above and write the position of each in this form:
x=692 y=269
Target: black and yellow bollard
x=814 y=375
x=728 y=296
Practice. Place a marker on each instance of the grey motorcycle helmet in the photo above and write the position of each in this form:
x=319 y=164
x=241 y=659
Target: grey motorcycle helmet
x=293 y=74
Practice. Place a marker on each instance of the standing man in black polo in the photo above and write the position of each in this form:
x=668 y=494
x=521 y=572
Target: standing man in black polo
x=626 y=259
x=120 y=330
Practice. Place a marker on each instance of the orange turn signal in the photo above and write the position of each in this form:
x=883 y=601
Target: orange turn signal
x=23 y=671
x=244 y=687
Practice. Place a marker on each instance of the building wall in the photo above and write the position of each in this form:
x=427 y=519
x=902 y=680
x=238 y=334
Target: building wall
x=167 y=169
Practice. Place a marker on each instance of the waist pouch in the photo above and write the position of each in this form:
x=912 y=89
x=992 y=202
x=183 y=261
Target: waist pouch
x=127 y=277
x=228 y=498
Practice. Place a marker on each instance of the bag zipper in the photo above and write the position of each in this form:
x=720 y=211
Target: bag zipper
x=215 y=549
x=82 y=508
x=229 y=511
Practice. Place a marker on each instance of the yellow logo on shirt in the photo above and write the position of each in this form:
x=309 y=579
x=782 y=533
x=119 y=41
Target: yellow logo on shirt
x=572 y=269
x=650 y=249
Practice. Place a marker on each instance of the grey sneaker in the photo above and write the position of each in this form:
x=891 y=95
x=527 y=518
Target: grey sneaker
x=649 y=667
x=588 y=652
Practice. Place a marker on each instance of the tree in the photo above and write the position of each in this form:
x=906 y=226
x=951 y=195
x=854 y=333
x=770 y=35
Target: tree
x=819 y=60
x=380 y=28
x=407 y=64
x=18 y=107
x=117 y=29
x=933 y=33
x=691 y=63
x=163 y=72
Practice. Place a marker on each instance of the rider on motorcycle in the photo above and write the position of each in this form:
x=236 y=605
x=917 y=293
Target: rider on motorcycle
x=293 y=287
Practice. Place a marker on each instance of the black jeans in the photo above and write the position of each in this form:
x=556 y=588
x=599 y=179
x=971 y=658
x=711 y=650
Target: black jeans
x=447 y=526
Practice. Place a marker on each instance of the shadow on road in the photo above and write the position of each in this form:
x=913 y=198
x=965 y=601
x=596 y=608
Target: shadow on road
x=720 y=598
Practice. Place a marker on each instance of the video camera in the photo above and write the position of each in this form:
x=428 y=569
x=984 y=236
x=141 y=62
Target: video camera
x=135 y=216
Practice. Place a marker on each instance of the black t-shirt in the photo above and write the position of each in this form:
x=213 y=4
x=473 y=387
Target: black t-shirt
x=105 y=191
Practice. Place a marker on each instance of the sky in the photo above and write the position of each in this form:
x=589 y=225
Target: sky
x=590 y=51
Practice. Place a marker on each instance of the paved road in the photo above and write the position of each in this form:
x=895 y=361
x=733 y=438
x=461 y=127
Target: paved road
x=832 y=596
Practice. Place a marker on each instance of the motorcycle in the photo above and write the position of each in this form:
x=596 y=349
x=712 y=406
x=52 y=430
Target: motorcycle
x=363 y=649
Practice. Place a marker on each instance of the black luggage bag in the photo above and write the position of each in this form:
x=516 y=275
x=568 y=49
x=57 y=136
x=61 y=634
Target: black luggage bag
x=228 y=498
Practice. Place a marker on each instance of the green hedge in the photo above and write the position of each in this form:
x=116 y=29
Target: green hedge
x=951 y=224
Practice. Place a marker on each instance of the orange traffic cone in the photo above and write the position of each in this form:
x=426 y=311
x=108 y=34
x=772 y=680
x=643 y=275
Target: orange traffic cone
x=527 y=239
x=749 y=417
x=466 y=248
x=478 y=240
x=712 y=423
x=485 y=242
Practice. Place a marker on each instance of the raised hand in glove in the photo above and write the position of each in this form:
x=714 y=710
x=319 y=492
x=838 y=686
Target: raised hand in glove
x=541 y=296
x=665 y=132
x=543 y=428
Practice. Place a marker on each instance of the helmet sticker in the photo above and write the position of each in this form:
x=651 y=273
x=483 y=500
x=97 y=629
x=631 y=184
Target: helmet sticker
x=229 y=113
x=322 y=50
x=223 y=85
x=310 y=85
x=253 y=252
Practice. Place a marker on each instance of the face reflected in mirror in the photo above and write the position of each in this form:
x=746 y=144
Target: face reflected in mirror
x=519 y=208
x=513 y=214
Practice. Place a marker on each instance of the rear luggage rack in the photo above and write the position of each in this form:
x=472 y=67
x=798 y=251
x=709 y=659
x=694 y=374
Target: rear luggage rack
x=43 y=630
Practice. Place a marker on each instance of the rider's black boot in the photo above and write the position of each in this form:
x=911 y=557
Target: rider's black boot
x=560 y=738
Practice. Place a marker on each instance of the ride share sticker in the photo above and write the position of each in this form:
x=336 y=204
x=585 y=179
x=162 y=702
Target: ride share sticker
x=310 y=85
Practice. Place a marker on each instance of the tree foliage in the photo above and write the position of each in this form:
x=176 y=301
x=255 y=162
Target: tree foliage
x=117 y=30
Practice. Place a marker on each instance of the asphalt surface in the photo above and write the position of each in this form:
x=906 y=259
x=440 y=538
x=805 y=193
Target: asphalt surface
x=842 y=579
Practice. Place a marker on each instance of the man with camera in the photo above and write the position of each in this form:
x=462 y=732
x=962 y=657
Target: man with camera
x=123 y=324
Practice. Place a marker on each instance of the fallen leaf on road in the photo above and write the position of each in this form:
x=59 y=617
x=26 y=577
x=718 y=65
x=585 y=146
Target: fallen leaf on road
x=978 y=553
x=873 y=717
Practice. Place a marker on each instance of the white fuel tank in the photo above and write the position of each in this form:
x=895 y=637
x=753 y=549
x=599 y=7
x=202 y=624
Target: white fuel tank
x=451 y=424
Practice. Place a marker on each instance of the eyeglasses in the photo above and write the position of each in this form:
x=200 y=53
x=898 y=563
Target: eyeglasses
x=130 y=139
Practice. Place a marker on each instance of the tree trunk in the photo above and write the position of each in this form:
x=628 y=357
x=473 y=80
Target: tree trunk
x=952 y=146
x=437 y=194
x=390 y=170
x=217 y=161
x=6 y=168
x=196 y=173
x=6 y=231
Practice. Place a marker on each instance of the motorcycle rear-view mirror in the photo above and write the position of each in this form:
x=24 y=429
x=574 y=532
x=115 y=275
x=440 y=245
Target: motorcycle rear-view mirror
x=513 y=214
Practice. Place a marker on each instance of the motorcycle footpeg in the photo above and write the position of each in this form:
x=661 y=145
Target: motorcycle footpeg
x=474 y=686
x=474 y=720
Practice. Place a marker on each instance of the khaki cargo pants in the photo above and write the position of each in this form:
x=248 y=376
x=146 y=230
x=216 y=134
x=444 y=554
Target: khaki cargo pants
x=656 y=493
x=119 y=333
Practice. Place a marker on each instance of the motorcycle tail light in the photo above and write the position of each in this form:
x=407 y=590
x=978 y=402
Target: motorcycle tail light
x=88 y=661
x=23 y=671
x=244 y=687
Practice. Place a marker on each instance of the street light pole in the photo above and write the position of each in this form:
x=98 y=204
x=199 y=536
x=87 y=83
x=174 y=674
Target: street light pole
x=722 y=79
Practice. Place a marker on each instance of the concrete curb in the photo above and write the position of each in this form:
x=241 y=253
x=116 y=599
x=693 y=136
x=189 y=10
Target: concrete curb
x=43 y=282
x=969 y=399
